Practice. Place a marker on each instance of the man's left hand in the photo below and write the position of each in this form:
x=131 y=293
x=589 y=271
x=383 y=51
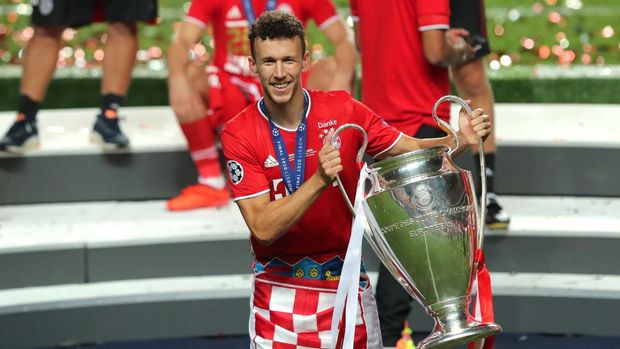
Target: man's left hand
x=475 y=125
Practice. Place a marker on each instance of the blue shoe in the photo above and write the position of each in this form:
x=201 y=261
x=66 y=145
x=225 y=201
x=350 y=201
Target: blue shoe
x=107 y=132
x=22 y=136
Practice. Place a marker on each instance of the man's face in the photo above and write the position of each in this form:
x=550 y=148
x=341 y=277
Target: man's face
x=278 y=64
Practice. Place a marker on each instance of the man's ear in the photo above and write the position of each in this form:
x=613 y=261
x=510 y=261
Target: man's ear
x=306 y=60
x=252 y=64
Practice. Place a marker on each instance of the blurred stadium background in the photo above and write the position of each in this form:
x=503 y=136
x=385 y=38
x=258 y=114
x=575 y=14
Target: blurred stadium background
x=78 y=268
x=532 y=42
x=522 y=32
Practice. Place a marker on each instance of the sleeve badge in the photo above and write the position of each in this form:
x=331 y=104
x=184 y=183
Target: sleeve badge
x=235 y=171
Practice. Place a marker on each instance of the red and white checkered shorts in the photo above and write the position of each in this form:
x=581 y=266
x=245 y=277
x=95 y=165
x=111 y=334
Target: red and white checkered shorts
x=291 y=313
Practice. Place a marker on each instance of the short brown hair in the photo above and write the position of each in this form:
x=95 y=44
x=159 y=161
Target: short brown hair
x=277 y=25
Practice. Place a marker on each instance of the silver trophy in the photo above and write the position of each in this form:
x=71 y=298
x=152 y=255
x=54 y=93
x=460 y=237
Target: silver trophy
x=425 y=226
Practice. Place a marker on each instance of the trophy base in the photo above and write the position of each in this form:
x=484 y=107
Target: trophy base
x=473 y=332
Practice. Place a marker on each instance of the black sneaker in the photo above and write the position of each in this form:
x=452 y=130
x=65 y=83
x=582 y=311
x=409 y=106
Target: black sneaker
x=22 y=136
x=497 y=218
x=108 y=133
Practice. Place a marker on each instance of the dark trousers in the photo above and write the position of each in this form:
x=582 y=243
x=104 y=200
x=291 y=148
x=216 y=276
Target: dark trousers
x=393 y=302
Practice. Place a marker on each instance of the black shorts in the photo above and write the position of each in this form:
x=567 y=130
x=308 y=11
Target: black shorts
x=77 y=13
x=469 y=14
x=427 y=131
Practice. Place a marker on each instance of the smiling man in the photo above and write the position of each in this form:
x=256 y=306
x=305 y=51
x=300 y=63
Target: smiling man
x=299 y=223
x=204 y=98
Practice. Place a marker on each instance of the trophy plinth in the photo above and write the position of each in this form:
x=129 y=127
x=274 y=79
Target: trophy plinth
x=474 y=331
x=453 y=327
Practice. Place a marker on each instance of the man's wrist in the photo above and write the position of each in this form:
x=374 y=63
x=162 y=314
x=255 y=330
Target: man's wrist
x=322 y=181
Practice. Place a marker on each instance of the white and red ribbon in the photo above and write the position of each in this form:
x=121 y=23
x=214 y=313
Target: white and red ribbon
x=483 y=303
x=348 y=286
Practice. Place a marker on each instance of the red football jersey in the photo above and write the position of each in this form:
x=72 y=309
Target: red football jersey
x=253 y=170
x=397 y=81
x=230 y=26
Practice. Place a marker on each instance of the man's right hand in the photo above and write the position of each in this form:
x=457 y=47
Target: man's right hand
x=330 y=162
x=187 y=103
x=455 y=37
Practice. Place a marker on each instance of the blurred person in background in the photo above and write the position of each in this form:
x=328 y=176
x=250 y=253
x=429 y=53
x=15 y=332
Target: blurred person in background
x=406 y=49
x=203 y=99
x=472 y=83
x=50 y=19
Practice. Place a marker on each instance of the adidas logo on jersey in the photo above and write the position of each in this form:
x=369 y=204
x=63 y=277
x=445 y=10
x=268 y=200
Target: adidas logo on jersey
x=270 y=162
x=233 y=13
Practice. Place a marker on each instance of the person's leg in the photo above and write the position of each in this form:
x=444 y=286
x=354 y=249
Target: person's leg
x=472 y=83
x=393 y=305
x=39 y=63
x=119 y=58
x=319 y=75
x=211 y=190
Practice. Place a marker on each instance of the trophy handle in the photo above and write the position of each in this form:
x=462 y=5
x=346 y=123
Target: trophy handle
x=483 y=180
x=360 y=155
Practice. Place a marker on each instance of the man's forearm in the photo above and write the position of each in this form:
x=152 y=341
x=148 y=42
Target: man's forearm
x=438 y=50
x=277 y=217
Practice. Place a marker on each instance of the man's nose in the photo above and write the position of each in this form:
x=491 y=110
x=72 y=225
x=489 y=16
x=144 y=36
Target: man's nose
x=280 y=70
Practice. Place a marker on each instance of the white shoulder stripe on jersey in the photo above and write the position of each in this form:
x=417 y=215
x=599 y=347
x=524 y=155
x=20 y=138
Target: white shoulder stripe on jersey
x=195 y=21
x=355 y=18
x=433 y=27
x=390 y=147
x=238 y=23
x=326 y=23
x=251 y=195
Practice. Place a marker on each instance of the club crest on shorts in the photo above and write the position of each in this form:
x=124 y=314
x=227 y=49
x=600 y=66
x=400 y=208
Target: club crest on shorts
x=300 y=273
x=314 y=272
x=235 y=171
